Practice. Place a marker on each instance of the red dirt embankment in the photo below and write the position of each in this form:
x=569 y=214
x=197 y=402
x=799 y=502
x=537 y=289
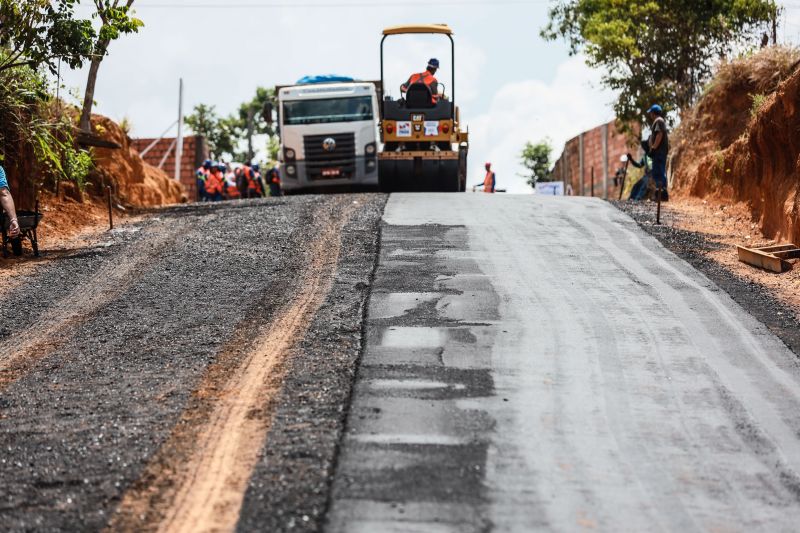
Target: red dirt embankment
x=135 y=182
x=741 y=142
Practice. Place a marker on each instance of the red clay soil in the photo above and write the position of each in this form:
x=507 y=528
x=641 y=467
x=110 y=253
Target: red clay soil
x=730 y=150
x=135 y=182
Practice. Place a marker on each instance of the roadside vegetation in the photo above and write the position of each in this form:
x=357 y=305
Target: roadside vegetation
x=232 y=137
x=659 y=51
x=38 y=139
x=536 y=159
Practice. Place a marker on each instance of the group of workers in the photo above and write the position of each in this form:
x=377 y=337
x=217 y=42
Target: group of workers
x=219 y=181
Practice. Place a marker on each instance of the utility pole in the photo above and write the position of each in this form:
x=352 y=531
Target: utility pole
x=179 y=143
x=605 y=161
x=250 y=128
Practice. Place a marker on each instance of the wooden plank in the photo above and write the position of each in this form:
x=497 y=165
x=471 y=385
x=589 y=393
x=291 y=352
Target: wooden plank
x=778 y=248
x=761 y=259
x=788 y=254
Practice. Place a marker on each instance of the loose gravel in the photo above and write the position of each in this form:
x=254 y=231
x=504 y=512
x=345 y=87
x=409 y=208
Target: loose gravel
x=81 y=417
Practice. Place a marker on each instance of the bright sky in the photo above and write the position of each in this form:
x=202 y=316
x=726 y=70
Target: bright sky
x=512 y=86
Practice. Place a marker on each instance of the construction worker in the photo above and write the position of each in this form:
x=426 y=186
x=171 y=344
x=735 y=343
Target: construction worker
x=231 y=188
x=261 y=185
x=215 y=184
x=490 y=181
x=202 y=175
x=252 y=189
x=427 y=77
x=658 y=145
x=274 y=181
x=7 y=203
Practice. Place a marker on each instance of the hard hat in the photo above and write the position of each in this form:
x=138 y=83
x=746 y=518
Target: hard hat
x=207 y=164
x=256 y=166
x=657 y=109
x=433 y=63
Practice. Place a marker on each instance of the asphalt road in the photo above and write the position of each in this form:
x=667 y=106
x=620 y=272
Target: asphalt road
x=543 y=364
x=515 y=364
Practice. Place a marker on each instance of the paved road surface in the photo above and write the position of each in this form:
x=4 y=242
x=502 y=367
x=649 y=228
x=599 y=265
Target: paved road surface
x=542 y=363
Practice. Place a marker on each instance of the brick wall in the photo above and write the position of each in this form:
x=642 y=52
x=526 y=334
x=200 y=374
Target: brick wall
x=568 y=166
x=195 y=151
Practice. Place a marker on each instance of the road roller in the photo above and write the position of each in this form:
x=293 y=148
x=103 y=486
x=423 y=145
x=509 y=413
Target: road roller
x=424 y=147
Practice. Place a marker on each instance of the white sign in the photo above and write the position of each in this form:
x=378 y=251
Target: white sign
x=431 y=128
x=404 y=129
x=550 y=188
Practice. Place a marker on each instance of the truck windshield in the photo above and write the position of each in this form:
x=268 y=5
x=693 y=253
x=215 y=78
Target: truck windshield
x=327 y=110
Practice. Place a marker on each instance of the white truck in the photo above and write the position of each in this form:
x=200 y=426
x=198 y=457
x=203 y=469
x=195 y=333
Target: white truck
x=329 y=134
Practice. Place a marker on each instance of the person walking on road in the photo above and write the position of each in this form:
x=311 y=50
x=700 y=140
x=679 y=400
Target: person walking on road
x=490 y=181
x=7 y=203
x=658 y=147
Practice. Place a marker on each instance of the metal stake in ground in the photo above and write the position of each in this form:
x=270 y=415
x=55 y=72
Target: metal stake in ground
x=658 y=206
x=110 y=210
x=592 y=182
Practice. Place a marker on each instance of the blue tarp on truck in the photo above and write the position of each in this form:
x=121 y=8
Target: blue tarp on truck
x=325 y=78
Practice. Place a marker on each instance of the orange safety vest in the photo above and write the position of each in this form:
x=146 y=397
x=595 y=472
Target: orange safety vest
x=427 y=78
x=252 y=184
x=488 y=182
x=233 y=191
x=213 y=183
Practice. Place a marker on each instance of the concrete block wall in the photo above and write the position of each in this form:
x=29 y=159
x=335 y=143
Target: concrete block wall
x=195 y=151
x=568 y=165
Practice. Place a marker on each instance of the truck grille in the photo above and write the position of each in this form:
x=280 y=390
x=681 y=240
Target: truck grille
x=343 y=157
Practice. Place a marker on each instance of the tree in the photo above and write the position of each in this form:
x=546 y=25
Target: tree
x=251 y=119
x=115 y=21
x=226 y=136
x=536 y=160
x=36 y=33
x=657 y=51
x=219 y=132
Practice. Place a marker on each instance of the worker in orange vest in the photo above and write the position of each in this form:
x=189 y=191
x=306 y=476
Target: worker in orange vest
x=214 y=184
x=427 y=77
x=274 y=181
x=490 y=181
x=231 y=189
x=250 y=187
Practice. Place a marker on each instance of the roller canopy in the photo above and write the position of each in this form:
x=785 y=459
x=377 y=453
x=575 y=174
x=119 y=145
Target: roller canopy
x=419 y=28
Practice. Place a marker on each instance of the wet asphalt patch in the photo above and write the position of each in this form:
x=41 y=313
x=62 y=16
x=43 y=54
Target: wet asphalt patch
x=416 y=444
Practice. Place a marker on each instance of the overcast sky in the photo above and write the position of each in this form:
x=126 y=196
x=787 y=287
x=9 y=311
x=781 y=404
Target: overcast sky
x=511 y=85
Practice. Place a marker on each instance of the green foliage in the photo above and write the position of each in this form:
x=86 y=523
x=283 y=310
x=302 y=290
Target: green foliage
x=536 y=160
x=220 y=133
x=38 y=33
x=37 y=138
x=116 y=21
x=77 y=165
x=273 y=148
x=657 y=51
x=758 y=101
x=226 y=135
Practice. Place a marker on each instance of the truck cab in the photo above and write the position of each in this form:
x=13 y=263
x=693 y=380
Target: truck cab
x=329 y=134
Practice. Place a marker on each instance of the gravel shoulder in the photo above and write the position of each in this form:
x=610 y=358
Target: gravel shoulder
x=123 y=332
x=705 y=234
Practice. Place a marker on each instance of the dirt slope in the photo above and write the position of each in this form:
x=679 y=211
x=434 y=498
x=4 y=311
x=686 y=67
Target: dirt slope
x=741 y=144
x=135 y=182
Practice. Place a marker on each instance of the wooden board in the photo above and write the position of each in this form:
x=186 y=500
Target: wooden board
x=772 y=258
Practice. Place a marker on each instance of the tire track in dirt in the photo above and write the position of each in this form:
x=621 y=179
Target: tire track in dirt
x=197 y=480
x=21 y=351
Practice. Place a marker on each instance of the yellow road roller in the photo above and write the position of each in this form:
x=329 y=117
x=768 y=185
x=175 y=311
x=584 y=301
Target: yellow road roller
x=424 y=147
